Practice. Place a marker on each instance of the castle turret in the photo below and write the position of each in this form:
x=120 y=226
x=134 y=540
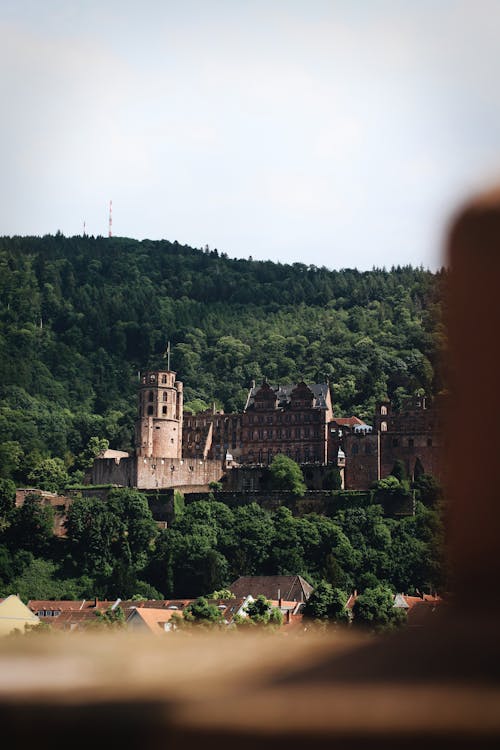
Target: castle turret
x=159 y=423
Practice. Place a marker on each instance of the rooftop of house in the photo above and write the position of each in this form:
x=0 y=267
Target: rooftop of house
x=286 y=588
x=153 y=619
x=348 y=421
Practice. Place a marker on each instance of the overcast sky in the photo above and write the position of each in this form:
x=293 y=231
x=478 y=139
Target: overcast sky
x=338 y=133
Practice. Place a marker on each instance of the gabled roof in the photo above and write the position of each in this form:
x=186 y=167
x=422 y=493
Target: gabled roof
x=231 y=607
x=347 y=421
x=288 y=588
x=15 y=615
x=153 y=620
x=419 y=609
x=283 y=393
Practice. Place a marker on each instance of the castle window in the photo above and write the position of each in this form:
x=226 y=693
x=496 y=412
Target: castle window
x=150 y=410
x=165 y=396
x=429 y=442
x=355 y=449
x=411 y=443
x=164 y=410
x=383 y=427
x=150 y=396
x=368 y=448
x=383 y=410
x=163 y=378
x=395 y=442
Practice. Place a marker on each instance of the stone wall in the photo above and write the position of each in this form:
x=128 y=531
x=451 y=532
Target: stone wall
x=250 y=478
x=117 y=471
x=322 y=502
x=421 y=447
x=59 y=503
x=156 y=473
x=362 y=466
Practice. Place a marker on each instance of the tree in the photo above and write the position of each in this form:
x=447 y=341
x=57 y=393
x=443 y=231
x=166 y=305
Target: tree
x=11 y=454
x=332 y=479
x=374 y=609
x=111 y=619
x=7 y=501
x=221 y=594
x=38 y=579
x=202 y=613
x=112 y=540
x=399 y=470
x=49 y=474
x=286 y=475
x=261 y=612
x=96 y=536
x=327 y=603
x=32 y=525
x=94 y=446
x=140 y=529
x=429 y=490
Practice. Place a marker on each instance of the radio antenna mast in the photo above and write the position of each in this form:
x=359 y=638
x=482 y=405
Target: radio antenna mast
x=110 y=233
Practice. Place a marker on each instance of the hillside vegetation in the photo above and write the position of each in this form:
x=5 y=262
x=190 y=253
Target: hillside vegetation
x=80 y=316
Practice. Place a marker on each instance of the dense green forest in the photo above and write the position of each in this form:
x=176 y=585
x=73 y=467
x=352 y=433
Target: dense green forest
x=80 y=316
x=114 y=549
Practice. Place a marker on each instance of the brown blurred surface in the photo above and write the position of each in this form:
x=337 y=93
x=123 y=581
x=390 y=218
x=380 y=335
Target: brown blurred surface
x=436 y=684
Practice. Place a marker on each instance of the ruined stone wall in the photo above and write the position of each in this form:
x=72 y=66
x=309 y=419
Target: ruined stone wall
x=146 y=472
x=155 y=473
x=361 y=460
x=114 y=471
x=248 y=478
x=410 y=449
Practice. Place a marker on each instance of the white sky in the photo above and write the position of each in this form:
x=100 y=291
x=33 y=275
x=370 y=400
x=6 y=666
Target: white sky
x=340 y=133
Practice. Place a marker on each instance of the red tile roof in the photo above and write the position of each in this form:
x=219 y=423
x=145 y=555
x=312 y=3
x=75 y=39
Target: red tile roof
x=290 y=588
x=348 y=421
x=154 y=619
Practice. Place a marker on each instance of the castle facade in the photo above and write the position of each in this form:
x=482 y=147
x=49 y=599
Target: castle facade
x=177 y=450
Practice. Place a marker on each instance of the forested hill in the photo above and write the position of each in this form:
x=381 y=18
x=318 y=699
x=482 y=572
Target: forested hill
x=80 y=316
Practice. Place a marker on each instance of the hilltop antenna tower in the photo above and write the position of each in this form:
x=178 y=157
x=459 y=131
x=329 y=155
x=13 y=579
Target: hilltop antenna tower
x=110 y=232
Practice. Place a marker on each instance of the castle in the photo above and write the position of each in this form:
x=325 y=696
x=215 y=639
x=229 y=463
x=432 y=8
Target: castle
x=177 y=450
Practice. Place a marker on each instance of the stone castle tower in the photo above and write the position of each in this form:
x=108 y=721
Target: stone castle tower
x=159 y=423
